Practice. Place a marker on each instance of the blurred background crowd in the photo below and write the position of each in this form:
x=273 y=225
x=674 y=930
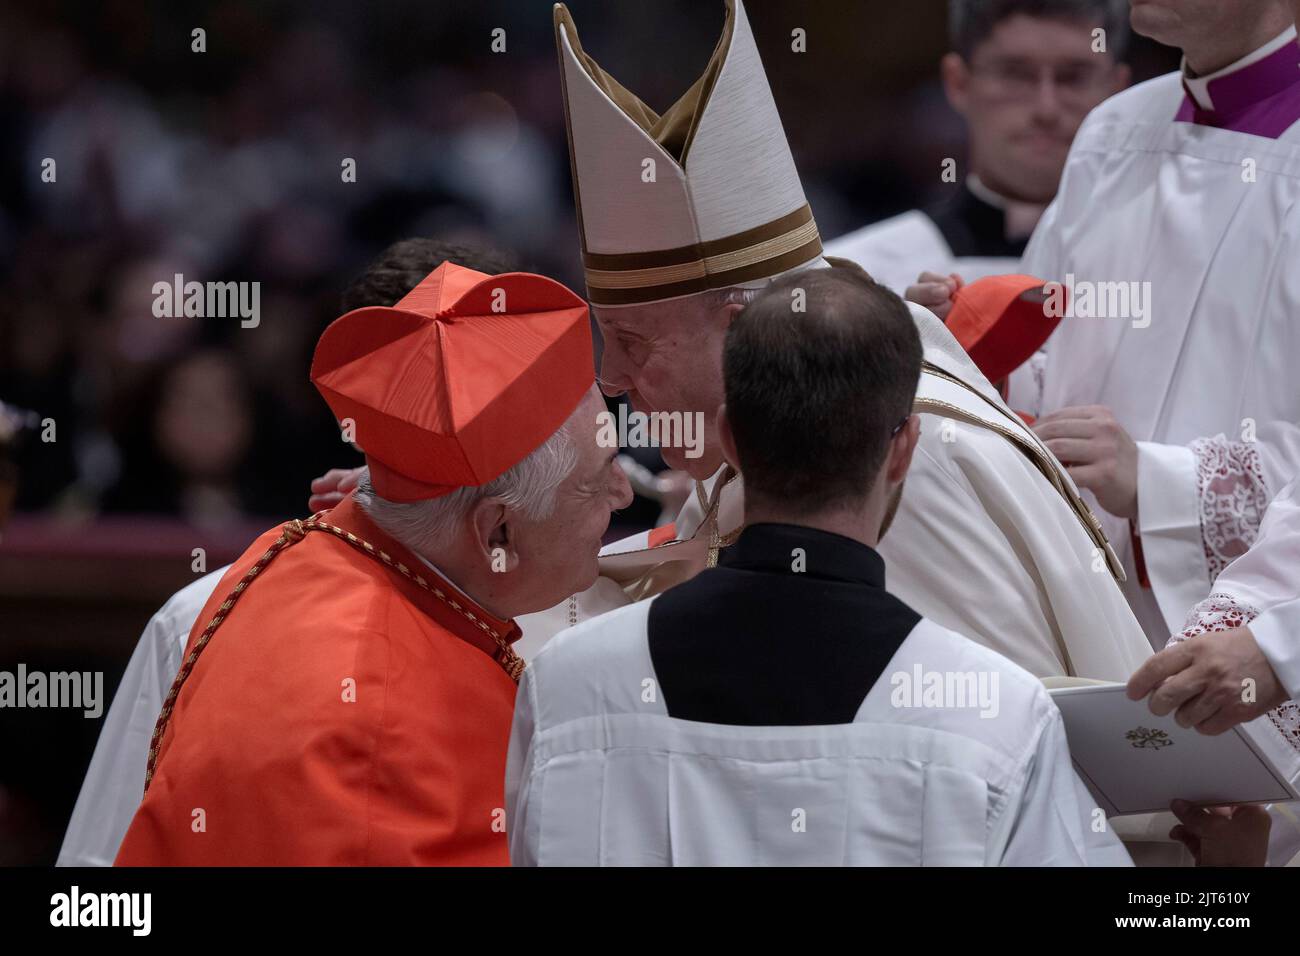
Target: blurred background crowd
x=225 y=165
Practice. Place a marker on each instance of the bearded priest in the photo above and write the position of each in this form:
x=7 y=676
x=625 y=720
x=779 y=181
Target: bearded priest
x=346 y=694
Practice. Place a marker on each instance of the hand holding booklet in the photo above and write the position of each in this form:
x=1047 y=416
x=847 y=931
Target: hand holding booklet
x=1135 y=762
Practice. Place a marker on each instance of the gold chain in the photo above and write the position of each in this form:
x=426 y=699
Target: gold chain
x=718 y=540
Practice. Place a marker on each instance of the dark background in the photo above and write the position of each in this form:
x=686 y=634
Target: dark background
x=225 y=165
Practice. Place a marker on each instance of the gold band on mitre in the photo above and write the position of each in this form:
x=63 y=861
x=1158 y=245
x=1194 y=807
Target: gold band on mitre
x=767 y=250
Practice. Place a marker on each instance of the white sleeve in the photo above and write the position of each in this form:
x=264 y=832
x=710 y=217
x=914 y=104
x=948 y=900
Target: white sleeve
x=1043 y=256
x=1268 y=577
x=114 y=784
x=1199 y=504
x=1262 y=588
x=1043 y=259
x=519 y=767
x=1268 y=574
x=1169 y=525
x=1277 y=632
x=1052 y=820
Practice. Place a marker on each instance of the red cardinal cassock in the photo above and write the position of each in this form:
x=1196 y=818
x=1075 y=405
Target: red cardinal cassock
x=340 y=703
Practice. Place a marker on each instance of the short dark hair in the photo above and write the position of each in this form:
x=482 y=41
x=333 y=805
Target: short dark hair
x=970 y=22
x=399 y=268
x=814 y=396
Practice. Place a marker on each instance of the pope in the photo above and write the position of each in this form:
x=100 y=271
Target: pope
x=346 y=694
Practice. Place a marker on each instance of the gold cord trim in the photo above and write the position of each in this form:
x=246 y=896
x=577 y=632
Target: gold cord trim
x=291 y=533
x=1035 y=453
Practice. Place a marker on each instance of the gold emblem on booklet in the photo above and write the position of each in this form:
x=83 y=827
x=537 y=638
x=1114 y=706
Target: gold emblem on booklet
x=1146 y=737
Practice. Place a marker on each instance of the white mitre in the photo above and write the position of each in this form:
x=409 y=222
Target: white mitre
x=723 y=205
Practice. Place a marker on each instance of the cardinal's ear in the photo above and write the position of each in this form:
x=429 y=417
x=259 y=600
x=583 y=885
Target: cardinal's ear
x=492 y=525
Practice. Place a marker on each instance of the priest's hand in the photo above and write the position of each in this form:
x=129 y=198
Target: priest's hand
x=332 y=487
x=1213 y=681
x=1097 y=452
x=1223 y=836
x=934 y=291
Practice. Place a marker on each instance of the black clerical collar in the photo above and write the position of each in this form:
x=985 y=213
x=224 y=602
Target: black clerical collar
x=771 y=548
x=792 y=628
x=972 y=226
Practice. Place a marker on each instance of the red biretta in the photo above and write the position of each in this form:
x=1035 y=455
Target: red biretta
x=340 y=702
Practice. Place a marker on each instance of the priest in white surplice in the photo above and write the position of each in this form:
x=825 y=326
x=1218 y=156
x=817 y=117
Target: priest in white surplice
x=783 y=708
x=1023 y=74
x=990 y=538
x=1171 y=391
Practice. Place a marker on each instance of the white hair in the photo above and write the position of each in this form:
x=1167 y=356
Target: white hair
x=746 y=293
x=529 y=488
x=732 y=295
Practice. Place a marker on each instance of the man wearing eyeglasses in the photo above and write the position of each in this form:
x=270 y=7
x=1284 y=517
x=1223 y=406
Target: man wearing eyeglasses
x=1023 y=74
x=1183 y=421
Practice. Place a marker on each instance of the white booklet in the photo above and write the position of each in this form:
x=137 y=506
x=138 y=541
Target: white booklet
x=1135 y=762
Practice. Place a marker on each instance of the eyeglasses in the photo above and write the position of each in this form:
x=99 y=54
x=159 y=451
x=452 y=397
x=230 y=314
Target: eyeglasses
x=1015 y=79
x=899 y=427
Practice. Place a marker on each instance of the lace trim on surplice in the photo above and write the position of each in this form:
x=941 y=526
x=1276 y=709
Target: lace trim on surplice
x=1233 y=495
x=1223 y=612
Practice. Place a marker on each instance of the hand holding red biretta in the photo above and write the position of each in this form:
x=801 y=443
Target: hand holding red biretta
x=1001 y=321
